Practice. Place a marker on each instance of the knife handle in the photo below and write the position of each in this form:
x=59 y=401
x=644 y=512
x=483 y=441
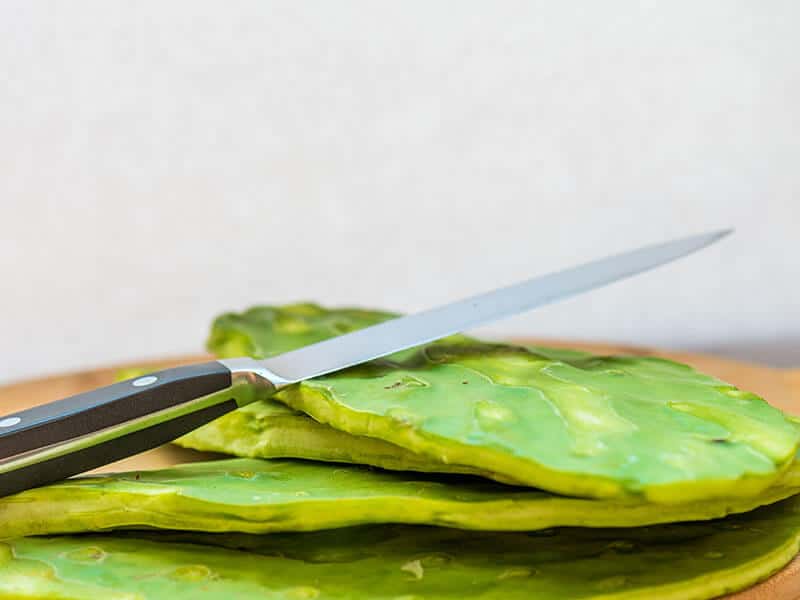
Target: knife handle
x=104 y=407
x=63 y=460
x=57 y=440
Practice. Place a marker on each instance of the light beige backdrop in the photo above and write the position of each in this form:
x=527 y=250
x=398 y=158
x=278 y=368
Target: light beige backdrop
x=161 y=162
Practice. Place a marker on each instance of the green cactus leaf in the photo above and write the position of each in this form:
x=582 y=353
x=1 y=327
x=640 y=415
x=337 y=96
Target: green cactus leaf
x=268 y=429
x=568 y=422
x=677 y=561
x=259 y=496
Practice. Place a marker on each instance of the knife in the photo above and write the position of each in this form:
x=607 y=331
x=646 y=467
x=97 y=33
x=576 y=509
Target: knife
x=57 y=440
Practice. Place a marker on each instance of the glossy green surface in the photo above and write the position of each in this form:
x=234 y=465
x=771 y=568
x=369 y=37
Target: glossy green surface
x=258 y=496
x=680 y=561
x=264 y=331
x=268 y=429
x=571 y=423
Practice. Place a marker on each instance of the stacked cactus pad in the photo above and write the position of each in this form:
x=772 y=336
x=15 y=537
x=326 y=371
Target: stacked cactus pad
x=458 y=469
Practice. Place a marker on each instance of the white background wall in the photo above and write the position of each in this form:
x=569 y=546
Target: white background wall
x=161 y=162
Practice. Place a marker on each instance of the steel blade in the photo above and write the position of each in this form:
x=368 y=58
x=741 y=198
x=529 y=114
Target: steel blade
x=405 y=332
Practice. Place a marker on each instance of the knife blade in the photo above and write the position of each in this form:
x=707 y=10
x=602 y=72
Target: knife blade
x=66 y=437
x=405 y=332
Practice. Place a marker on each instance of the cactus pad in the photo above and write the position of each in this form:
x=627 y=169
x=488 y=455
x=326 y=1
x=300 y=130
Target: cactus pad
x=258 y=496
x=695 y=560
x=575 y=424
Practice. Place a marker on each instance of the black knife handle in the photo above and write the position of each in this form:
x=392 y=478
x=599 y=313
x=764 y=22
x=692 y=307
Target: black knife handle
x=105 y=407
x=62 y=466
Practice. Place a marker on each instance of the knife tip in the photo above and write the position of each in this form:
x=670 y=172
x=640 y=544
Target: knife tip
x=712 y=236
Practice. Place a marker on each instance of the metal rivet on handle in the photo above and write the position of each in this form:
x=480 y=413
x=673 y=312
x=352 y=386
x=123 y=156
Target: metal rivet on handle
x=10 y=421
x=142 y=381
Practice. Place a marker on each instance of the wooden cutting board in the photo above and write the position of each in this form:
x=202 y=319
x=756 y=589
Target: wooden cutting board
x=781 y=387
